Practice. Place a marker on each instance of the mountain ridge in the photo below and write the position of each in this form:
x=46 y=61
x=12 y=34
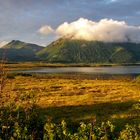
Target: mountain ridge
x=65 y=50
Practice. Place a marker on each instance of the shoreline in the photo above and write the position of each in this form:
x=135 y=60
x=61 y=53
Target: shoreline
x=31 y=65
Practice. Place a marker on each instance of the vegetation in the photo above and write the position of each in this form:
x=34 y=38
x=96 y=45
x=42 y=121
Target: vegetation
x=26 y=125
x=69 y=107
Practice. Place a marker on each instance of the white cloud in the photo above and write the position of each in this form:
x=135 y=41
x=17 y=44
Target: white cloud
x=107 y=30
x=45 y=30
x=2 y=43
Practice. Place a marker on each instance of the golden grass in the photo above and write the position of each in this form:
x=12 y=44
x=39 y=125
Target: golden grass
x=62 y=91
x=78 y=97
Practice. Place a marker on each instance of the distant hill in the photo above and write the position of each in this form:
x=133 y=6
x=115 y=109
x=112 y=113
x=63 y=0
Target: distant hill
x=20 y=51
x=81 y=51
x=73 y=51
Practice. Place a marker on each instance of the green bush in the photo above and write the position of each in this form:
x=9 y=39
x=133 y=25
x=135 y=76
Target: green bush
x=129 y=133
x=17 y=123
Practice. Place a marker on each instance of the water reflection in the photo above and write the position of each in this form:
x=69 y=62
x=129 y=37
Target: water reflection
x=86 y=70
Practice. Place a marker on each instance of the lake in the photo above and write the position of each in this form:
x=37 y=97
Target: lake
x=86 y=70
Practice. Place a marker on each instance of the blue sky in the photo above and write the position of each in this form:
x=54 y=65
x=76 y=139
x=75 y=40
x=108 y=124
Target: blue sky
x=21 y=19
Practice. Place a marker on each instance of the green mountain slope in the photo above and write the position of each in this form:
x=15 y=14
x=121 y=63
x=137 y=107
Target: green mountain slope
x=20 y=51
x=73 y=51
x=81 y=51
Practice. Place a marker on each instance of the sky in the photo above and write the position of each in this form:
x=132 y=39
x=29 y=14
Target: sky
x=43 y=21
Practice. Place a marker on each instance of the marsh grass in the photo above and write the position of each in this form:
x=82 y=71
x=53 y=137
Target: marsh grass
x=80 y=98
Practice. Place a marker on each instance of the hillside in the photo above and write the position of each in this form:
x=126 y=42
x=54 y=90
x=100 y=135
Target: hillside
x=81 y=51
x=20 y=51
x=73 y=51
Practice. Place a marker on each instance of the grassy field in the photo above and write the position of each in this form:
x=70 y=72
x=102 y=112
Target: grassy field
x=78 y=98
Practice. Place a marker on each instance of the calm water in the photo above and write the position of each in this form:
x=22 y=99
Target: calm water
x=86 y=70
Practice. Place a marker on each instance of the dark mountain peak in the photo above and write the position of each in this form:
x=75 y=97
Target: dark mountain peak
x=17 y=44
x=14 y=44
x=20 y=51
x=15 y=41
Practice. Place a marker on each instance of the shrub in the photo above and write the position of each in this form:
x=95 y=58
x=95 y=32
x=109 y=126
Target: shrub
x=129 y=133
x=27 y=124
x=19 y=123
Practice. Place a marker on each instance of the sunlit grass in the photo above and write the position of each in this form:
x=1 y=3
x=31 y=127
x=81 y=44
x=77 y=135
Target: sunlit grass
x=78 y=98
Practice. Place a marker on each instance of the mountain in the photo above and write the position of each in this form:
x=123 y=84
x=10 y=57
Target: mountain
x=81 y=51
x=20 y=51
x=73 y=51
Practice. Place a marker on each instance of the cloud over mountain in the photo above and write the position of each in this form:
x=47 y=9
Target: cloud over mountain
x=45 y=30
x=107 y=30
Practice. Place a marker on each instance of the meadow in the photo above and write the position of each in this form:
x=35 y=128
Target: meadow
x=76 y=98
